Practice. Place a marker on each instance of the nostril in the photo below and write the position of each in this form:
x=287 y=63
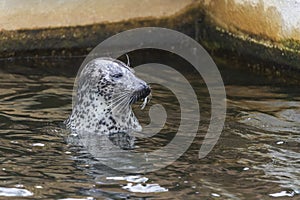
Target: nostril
x=144 y=91
x=147 y=90
x=141 y=93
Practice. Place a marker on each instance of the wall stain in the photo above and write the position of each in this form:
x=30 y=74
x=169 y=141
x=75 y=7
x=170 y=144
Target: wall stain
x=250 y=18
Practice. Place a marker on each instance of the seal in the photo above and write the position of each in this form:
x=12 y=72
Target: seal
x=106 y=90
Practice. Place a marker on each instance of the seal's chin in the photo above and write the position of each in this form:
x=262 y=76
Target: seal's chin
x=140 y=94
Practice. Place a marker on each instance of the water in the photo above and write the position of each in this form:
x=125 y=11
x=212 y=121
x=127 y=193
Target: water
x=257 y=156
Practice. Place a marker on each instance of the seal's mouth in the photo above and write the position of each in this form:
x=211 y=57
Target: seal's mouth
x=140 y=94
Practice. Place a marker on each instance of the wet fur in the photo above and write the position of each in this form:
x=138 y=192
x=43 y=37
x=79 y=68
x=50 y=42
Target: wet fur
x=106 y=89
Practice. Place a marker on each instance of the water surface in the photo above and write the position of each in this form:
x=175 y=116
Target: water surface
x=257 y=156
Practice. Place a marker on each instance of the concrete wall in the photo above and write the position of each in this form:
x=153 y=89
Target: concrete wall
x=39 y=27
x=258 y=30
x=33 y=14
x=273 y=19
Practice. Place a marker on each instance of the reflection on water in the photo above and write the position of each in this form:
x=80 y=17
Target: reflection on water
x=272 y=117
x=11 y=192
x=138 y=184
x=257 y=156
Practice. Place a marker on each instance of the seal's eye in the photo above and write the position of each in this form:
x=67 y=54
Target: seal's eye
x=119 y=75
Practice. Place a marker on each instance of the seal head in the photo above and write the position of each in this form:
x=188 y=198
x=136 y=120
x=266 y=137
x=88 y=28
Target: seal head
x=106 y=90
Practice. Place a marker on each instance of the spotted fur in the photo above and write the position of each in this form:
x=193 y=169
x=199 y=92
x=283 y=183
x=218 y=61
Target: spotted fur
x=106 y=89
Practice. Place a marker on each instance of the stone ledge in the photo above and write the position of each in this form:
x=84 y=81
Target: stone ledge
x=62 y=39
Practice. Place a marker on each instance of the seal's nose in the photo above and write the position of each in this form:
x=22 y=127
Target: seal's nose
x=142 y=92
x=145 y=91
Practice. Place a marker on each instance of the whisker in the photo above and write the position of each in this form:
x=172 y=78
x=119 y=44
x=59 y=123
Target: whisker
x=116 y=98
x=124 y=107
x=117 y=103
x=146 y=100
x=124 y=102
x=133 y=99
x=121 y=102
x=128 y=61
x=123 y=91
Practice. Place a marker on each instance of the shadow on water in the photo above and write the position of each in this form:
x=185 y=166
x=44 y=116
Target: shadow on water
x=257 y=156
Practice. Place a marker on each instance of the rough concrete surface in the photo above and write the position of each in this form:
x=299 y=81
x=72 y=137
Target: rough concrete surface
x=261 y=31
x=272 y=19
x=266 y=31
x=33 y=14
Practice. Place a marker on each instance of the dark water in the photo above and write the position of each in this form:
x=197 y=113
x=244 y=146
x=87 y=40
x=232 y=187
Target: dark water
x=257 y=156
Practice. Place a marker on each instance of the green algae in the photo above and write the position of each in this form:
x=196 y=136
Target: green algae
x=291 y=45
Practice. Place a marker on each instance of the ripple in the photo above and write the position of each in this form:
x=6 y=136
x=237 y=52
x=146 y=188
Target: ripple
x=257 y=156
